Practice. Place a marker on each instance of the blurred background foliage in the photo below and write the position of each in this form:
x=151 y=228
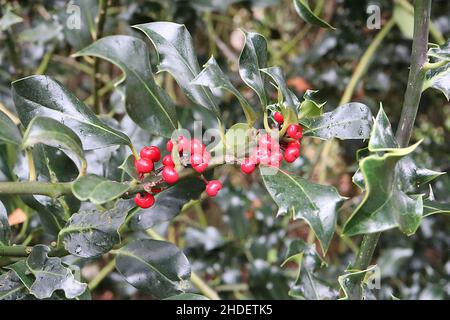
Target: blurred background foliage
x=235 y=241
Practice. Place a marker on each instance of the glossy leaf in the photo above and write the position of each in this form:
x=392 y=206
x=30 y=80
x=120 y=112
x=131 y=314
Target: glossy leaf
x=309 y=107
x=253 y=58
x=411 y=176
x=43 y=130
x=431 y=207
x=146 y=103
x=9 y=132
x=289 y=98
x=308 y=284
x=439 y=79
x=5 y=231
x=358 y=292
x=92 y=233
x=157 y=267
x=382 y=137
x=128 y=167
x=21 y=269
x=51 y=275
x=314 y=203
x=177 y=56
x=97 y=189
x=305 y=12
x=213 y=77
x=45 y=97
x=168 y=204
x=440 y=52
x=350 y=121
x=11 y=288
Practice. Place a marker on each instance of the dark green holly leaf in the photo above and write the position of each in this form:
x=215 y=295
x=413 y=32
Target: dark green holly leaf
x=43 y=130
x=97 y=189
x=382 y=137
x=177 y=56
x=79 y=22
x=187 y=296
x=168 y=204
x=51 y=275
x=146 y=103
x=314 y=203
x=92 y=233
x=9 y=132
x=411 y=176
x=43 y=96
x=431 y=207
x=305 y=12
x=157 y=267
x=309 y=107
x=5 y=231
x=11 y=288
x=440 y=52
x=439 y=79
x=288 y=97
x=350 y=121
x=307 y=285
x=384 y=206
x=213 y=77
x=22 y=272
x=253 y=58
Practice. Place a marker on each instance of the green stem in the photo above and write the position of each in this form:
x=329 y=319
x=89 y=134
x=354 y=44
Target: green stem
x=48 y=189
x=20 y=251
x=103 y=7
x=102 y=274
x=365 y=61
x=422 y=9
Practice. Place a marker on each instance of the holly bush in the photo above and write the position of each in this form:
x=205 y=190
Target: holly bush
x=91 y=183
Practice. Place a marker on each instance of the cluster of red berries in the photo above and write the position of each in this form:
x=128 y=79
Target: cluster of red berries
x=198 y=158
x=268 y=151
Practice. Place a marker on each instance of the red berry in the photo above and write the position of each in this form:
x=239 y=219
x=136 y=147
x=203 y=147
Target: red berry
x=248 y=166
x=143 y=165
x=196 y=159
x=167 y=161
x=294 y=144
x=213 y=187
x=170 y=175
x=300 y=132
x=291 y=154
x=183 y=143
x=200 y=167
x=265 y=141
x=197 y=146
x=169 y=145
x=151 y=153
x=144 y=201
x=292 y=131
x=278 y=117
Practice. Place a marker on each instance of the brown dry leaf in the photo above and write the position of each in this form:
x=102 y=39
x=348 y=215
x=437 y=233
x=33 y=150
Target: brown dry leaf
x=17 y=217
x=299 y=84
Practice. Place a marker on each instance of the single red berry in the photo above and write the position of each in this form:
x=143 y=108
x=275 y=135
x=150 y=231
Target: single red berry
x=151 y=153
x=278 y=117
x=200 y=167
x=196 y=159
x=248 y=166
x=294 y=144
x=143 y=165
x=169 y=145
x=183 y=143
x=213 y=187
x=167 y=161
x=300 y=132
x=292 y=131
x=291 y=154
x=144 y=201
x=197 y=146
x=170 y=175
